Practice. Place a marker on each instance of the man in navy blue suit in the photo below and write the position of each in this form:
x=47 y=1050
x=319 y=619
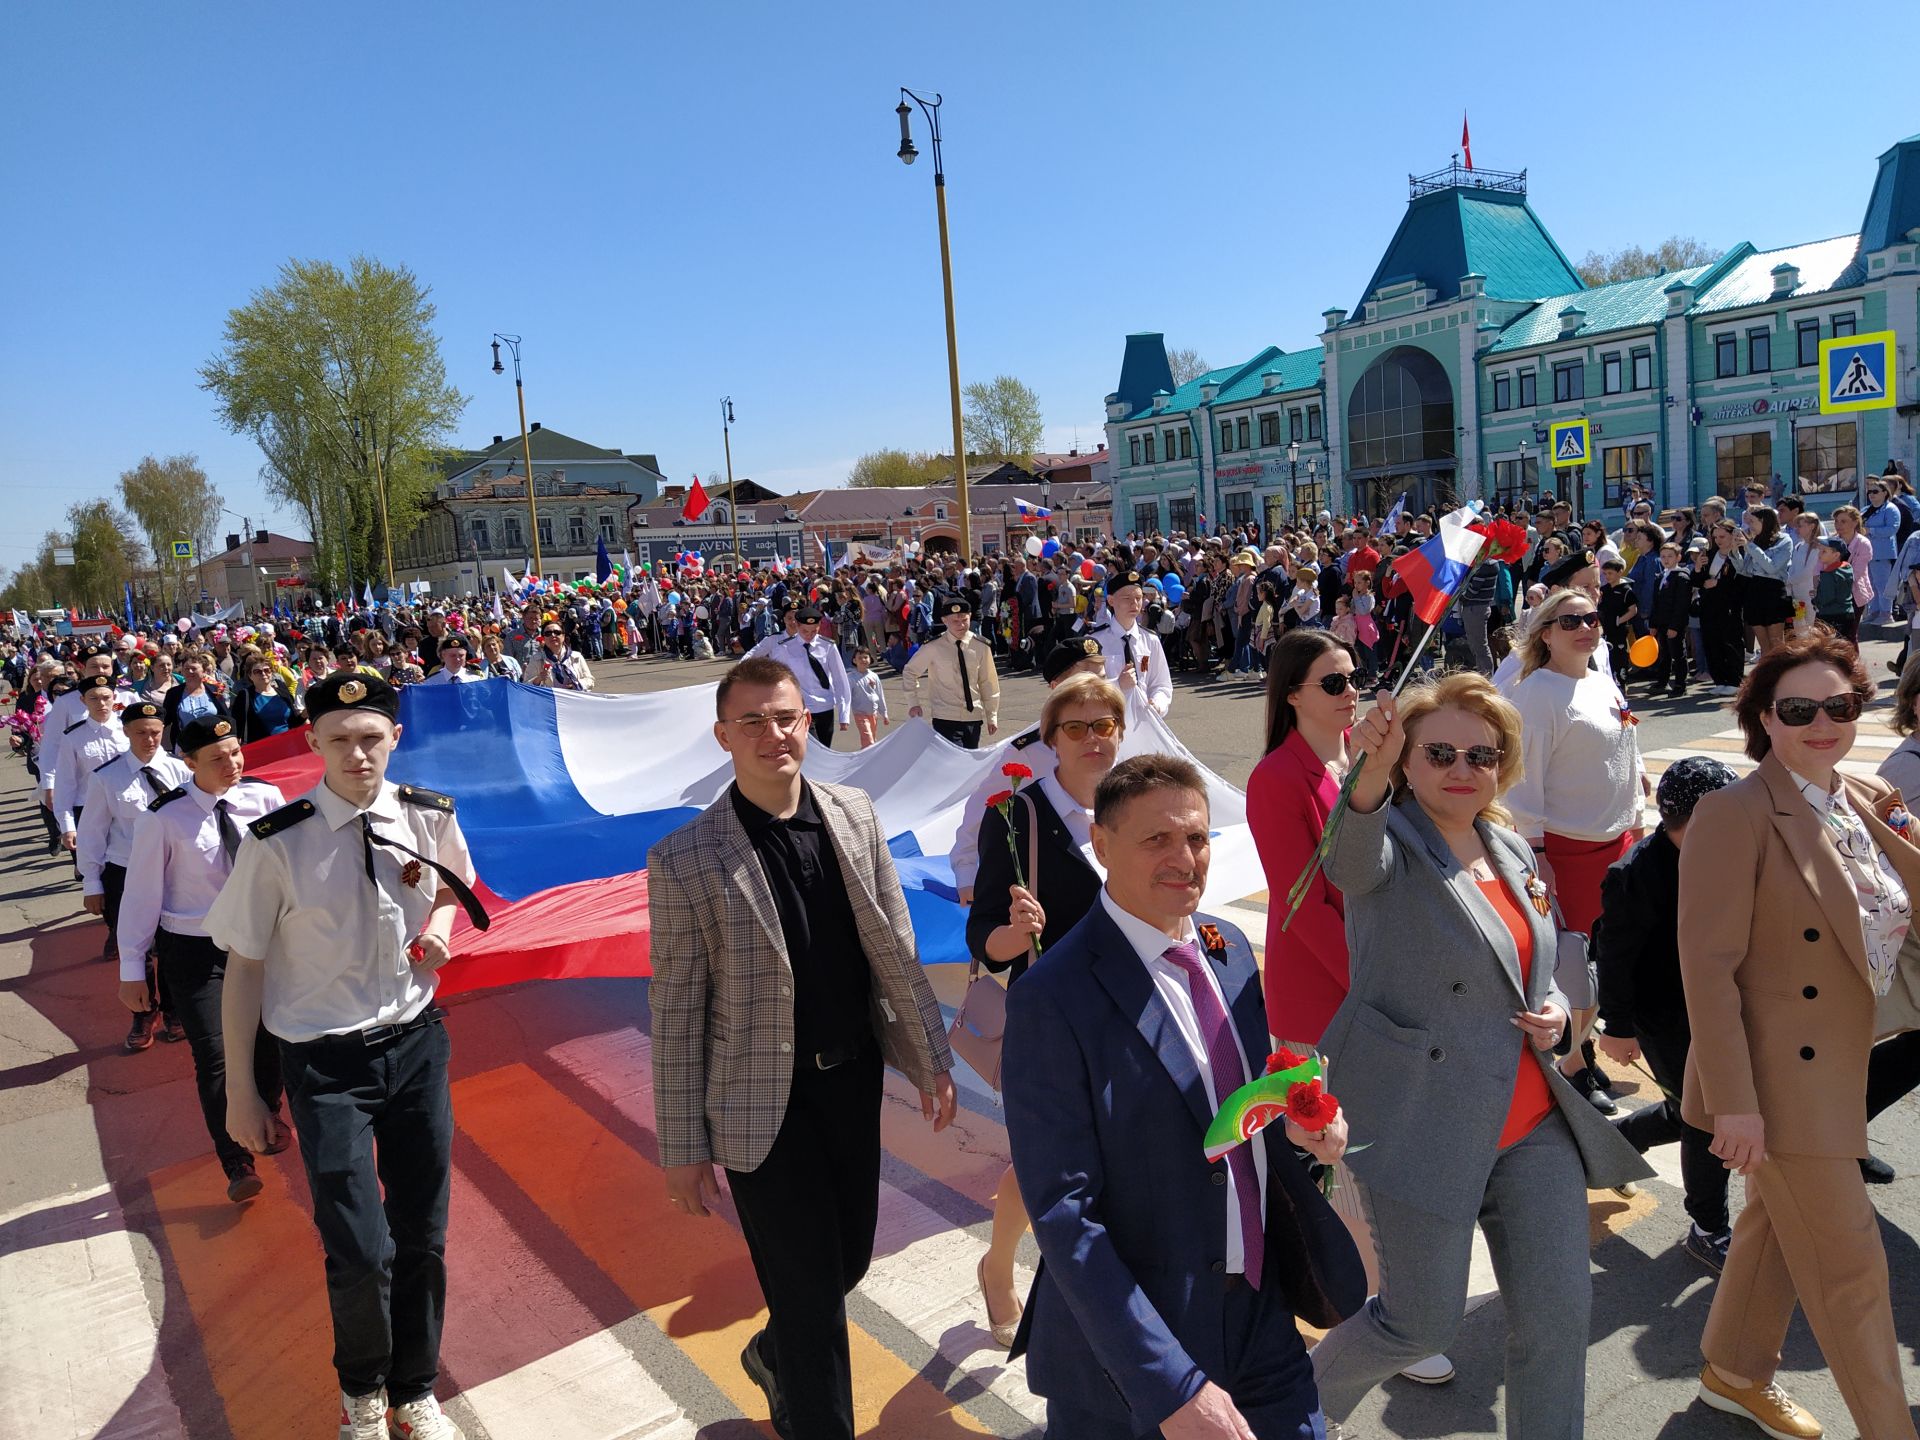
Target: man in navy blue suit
x=1170 y=1285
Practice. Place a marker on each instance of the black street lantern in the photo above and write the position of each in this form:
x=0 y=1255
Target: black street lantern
x=906 y=152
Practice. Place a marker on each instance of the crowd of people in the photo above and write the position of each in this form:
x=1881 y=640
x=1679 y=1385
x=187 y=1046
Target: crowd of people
x=1483 y=914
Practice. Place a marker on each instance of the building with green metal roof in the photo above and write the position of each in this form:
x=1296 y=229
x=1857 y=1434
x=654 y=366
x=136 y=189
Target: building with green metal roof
x=1475 y=334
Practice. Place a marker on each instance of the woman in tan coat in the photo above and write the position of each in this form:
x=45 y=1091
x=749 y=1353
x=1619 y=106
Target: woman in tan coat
x=1794 y=887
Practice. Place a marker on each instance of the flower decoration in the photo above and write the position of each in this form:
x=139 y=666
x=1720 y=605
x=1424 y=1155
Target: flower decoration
x=1284 y=1059
x=1003 y=802
x=1014 y=770
x=1310 y=1106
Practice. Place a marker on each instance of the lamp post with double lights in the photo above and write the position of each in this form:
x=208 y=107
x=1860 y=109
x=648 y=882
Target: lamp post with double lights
x=512 y=342
x=726 y=442
x=907 y=154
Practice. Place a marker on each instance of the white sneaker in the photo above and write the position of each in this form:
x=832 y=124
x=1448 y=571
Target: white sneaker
x=1434 y=1370
x=422 y=1420
x=363 y=1417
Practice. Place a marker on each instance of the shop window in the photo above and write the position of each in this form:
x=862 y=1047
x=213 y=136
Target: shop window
x=1569 y=381
x=1643 y=369
x=1502 y=392
x=1146 y=516
x=1180 y=514
x=1806 y=336
x=1759 y=351
x=1610 y=374
x=1270 y=427
x=1827 y=458
x=1625 y=469
x=1528 y=397
x=1516 y=482
x=1741 y=459
x=1275 y=508
x=1726 y=356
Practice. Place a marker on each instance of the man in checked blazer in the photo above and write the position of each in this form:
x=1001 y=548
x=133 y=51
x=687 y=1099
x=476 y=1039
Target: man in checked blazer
x=785 y=976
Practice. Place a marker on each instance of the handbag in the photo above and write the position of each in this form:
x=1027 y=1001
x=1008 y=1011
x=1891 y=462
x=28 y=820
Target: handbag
x=980 y=1025
x=1573 y=968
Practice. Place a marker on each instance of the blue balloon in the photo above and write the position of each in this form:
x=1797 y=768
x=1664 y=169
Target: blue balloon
x=1050 y=549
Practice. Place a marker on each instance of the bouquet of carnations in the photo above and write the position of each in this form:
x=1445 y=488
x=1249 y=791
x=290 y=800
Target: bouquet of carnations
x=1293 y=1088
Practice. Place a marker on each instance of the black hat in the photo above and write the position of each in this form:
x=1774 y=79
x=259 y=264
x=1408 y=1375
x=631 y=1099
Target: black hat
x=1685 y=781
x=955 y=605
x=1120 y=579
x=1067 y=654
x=97 y=682
x=351 y=690
x=202 y=731
x=807 y=615
x=1558 y=577
x=455 y=640
x=59 y=686
x=1835 y=543
x=140 y=710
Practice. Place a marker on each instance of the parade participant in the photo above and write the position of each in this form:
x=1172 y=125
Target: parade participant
x=1454 y=1012
x=813 y=998
x=118 y=794
x=556 y=664
x=494 y=658
x=336 y=926
x=198 y=695
x=265 y=704
x=1783 y=1018
x=869 y=697
x=183 y=851
x=1136 y=662
x=816 y=667
x=1168 y=1299
x=455 y=667
x=1643 y=1004
x=63 y=710
x=81 y=748
x=958 y=677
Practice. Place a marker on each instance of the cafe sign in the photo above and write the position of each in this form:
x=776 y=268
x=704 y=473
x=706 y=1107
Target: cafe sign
x=1766 y=405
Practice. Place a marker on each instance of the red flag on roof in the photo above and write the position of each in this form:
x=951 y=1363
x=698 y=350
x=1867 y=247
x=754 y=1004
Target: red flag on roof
x=697 y=502
x=1466 y=142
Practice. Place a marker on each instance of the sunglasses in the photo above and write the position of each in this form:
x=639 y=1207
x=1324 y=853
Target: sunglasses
x=1336 y=683
x=1441 y=755
x=1570 y=623
x=1105 y=727
x=1796 y=710
x=553 y=634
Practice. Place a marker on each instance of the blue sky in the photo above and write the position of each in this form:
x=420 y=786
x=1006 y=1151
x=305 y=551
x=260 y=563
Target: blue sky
x=676 y=203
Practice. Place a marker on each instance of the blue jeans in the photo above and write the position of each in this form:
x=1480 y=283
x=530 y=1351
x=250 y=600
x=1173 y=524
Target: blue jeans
x=1881 y=608
x=1243 y=644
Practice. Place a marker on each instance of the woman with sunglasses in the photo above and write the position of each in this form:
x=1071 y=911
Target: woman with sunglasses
x=1578 y=799
x=1794 y=903
x=556 y=664
x=1881 y=523
x=1083 y=723
x=1441 y=1055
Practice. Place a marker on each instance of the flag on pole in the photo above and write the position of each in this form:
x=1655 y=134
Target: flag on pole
x=697 y=502
x=366 y=593
x=1393 y=515
x=1438 y=568
x=1466 y=141
x=626 y=566
x=602 y=563
x=1030 y=512
x=131 y=623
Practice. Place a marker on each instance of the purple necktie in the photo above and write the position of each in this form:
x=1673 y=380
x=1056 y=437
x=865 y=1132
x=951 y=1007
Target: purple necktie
x=1229 y=1074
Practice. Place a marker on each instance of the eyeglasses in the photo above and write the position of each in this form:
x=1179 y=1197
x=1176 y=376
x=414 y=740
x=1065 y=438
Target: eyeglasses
x=1570 y=623
x=1335 y=683
x=755 y=725
x=553 y=634
x=1796 y=710
x=1441 y=755
x=1105 y=727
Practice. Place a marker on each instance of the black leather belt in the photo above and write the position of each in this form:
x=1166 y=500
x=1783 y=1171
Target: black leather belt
x=838 y=1055
x=380 y=1034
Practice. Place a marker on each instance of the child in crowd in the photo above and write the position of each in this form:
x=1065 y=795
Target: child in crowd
x=1619 y=611
x=1268 y=600
x=1343 y=626
x=1672 y=600
x=1833 y=592
x=1366 y=628
x=1304 y=607
x=869 y=696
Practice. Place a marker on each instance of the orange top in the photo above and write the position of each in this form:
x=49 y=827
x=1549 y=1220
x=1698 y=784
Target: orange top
x=1532 y=1100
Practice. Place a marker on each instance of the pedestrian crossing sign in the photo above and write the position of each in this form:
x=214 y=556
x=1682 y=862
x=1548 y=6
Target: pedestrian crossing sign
x=1569 y=443
x=1856 y=373
x=183 y=550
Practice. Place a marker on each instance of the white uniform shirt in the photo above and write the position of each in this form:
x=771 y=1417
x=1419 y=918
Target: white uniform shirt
x=965 y=855
x=1149 y=660
x=792 y=651
x=62 y=713
x=333 y=942
x=116 y=798
x=1171 y=984
x=178 y=866
x=444 y=676
x=83 y=747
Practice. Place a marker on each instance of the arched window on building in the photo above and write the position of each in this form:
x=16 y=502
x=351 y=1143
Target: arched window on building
x=1400 y=432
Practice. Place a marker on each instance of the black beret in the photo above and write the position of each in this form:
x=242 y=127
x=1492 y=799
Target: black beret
x=1121 y=579
x=352 y=690
x=455 y=640
x=1559 y=576
x=60 y=686
x=139 y=710
x=955 y=605
x=1685 y=781
x=203 y=731
x=97 y=682
x=808 y=615
x=1067 y=654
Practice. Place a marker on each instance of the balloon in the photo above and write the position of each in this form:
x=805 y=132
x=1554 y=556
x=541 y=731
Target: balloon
x=619 y=607
x=1051 y=548
x=1644 y=652
x=1034 y=545
x=1086 y=569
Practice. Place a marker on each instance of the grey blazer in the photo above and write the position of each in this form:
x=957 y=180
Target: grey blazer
x=722 y=992
x=1422 y=1051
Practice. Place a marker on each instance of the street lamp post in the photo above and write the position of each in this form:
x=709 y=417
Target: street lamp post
x=1523 y=472
x=380 y=487
x=907 y=154
x=1293 y=476
x=726 y=442
x=512 y=342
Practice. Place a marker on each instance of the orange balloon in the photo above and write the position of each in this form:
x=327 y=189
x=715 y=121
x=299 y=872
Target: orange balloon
x=1644 y=652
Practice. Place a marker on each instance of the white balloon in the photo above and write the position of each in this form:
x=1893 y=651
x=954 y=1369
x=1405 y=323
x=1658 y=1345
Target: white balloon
x=1034 y=542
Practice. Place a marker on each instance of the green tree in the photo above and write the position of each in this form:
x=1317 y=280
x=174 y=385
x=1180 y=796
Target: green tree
x=1186 y=365
x=892 y=469
x=1002 y=419
x=171 y=500
x=323 y=369
x=1676 y=252
x=34 y=586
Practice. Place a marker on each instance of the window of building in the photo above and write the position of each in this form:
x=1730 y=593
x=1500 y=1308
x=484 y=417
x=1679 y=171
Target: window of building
x=1503 y=392
x=1313 y=422
x=1309 y=498
x=1237 y=508
x=1243 y=433
x=1741 y=459
x=1516 y=482
x=1529 y=395
x=546 y=533
x=1759 y=351
x=1625 y=468
x=1726 y=356
x=1643 y=369
x=939 y=512
x=1226 y=436
x=1270 y=427
x=1843 y=325
x=1147 y=448
x=1611 y=380
x=1827 y=457
x=1186 y=442
x=1166 y=449
x=576 y=530
x=1806 y=336
x=1569 y=381
x=1274 y=514
x=1146 y=517
x=479 y=525
x=510 y=534
x=606 y=528
x=1401 y=413
x=1296 y=426
x=1180 y=514
x=1133 y=449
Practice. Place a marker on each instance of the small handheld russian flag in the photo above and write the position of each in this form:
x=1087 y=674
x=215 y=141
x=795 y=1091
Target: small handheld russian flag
x=1030 y=511
x=1438 y=568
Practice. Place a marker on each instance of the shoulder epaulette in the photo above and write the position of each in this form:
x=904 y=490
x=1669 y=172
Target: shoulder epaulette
x=166 y=798
x=251 y=780
x=1032 y=737
x=431 y=799
x=76 y=725
x=108 y=761
x=275 y=821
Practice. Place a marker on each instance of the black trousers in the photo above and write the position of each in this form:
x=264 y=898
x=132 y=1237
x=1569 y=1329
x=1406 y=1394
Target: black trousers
x=1893 y=1069
x=113 y=885
x=1723 y=637
x=823 y=721
x=376 y=1132
x=1672 y=671
x=1702 y=1176
x=965 y=733
x=809 y=1213
x=193 y=971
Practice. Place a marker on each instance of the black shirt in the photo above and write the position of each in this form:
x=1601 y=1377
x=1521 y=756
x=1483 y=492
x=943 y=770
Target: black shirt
x=832 y=982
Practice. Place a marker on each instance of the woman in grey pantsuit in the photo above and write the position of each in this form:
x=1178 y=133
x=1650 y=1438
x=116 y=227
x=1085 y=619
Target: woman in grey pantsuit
x=1442 y=1058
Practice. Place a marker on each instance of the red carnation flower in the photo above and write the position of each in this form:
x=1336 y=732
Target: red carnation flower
x=1310 y=1107
x=1014 y=770
x=1005 y=797
x=1284 y=1059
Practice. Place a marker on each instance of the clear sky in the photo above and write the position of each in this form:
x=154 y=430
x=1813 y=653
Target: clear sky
x=672 y=203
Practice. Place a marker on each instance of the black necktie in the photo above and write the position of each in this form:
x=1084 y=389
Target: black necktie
x=470 y=902
x=229 y=836
x=819 y=670
x=154 y=782
x=966 y=686
x=1126 y=647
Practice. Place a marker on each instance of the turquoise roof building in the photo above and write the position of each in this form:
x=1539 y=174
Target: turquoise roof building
x=1475 y=333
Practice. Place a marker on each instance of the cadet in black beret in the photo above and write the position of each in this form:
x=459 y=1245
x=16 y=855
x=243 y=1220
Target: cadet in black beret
x=954 y=605
x=139 y=710
x=350 y=690
x=1561 y=576
x=959 y=678
x=1066 y=657
x=807 y=615
x=97 y=682
x=202 y=731
x=1120 y=580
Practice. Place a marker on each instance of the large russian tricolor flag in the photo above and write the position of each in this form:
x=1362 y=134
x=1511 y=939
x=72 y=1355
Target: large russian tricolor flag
x=1440 y=567
x=562 y=793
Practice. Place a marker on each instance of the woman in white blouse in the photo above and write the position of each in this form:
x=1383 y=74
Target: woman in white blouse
x=1763 y=555
x=1578 y=798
